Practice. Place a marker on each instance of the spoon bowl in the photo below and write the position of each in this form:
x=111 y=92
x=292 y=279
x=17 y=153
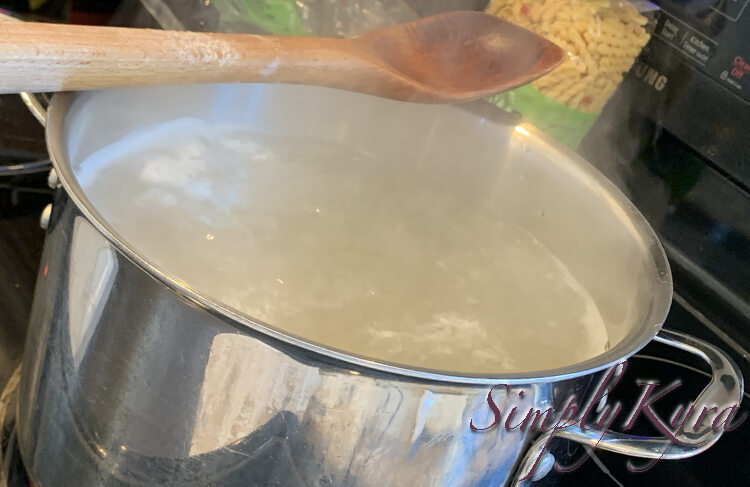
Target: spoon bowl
x=462 y=55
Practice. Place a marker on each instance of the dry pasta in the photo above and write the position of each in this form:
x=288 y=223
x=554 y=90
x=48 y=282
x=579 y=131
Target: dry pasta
x=602 y=37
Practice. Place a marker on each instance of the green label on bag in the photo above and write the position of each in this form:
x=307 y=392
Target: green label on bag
x=568 y=125
x=279 y=17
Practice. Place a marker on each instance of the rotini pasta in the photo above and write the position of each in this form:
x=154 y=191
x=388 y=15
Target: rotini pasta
x=602 y=37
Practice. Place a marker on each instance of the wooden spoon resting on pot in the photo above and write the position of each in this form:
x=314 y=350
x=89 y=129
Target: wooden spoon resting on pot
x=445 y=58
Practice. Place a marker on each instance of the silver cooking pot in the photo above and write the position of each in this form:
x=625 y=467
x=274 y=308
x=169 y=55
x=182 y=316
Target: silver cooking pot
x=133 y=378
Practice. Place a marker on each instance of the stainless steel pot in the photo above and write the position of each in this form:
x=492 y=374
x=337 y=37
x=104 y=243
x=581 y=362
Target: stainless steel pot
x=133 y=378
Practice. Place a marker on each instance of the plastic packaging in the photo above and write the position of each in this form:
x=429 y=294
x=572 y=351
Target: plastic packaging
x=330 y=18
x=602 y=38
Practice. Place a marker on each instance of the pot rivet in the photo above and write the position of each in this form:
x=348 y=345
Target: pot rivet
x=53 y=181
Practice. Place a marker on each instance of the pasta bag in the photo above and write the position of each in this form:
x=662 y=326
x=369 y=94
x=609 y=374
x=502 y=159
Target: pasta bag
x=602 y=39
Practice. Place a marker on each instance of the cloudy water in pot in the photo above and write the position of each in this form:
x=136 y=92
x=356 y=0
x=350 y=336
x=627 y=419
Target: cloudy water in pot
x=336 y=247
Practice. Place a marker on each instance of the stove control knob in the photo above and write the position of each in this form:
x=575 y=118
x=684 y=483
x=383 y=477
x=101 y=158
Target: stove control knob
x=53 y=181
x=44 y=219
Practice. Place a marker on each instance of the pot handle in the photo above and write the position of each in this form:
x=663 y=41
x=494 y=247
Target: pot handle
x=725 y=389
x=35 y=106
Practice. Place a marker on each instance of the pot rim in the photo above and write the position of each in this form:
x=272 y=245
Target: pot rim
x=629 y=345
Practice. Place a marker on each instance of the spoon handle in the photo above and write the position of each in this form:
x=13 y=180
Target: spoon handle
x=40 y=57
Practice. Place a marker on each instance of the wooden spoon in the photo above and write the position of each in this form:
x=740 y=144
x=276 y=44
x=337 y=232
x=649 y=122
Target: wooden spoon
x=445 y=58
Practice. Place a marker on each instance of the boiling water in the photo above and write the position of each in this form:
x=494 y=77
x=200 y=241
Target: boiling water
x=336 y=247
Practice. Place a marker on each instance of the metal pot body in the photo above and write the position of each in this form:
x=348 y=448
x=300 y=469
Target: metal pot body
x=127 y=383
x=133 y=378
